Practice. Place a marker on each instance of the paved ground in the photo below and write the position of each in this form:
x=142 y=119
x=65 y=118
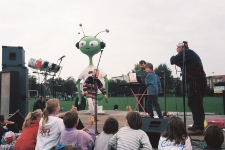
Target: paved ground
x=120 y=116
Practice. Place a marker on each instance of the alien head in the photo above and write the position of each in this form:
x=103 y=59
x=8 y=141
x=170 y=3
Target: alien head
x=90 y=45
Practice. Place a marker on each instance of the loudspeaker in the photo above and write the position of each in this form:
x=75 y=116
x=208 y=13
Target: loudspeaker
x=13 y=56
x=22 y=87
x=116 y=107
x=9 y=92
x=153 y=128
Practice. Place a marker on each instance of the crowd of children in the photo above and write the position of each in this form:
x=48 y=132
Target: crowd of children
x=47 y=130
x=44 y=131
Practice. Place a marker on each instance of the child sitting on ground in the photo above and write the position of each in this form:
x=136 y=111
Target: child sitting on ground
x=70 y=135
x=214 y=138
x=175 y=137
x=130 y=136
x=110 y=127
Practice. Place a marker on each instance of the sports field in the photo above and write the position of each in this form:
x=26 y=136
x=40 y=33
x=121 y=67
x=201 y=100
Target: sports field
x=173 y=104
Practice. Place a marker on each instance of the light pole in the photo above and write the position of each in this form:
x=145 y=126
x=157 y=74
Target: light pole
x=165 y=113
x=210 y=80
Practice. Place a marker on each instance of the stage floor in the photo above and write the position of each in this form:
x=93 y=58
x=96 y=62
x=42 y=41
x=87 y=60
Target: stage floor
x=121 y=118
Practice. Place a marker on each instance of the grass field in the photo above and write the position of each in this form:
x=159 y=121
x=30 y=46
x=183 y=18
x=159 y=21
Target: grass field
x=173 y=104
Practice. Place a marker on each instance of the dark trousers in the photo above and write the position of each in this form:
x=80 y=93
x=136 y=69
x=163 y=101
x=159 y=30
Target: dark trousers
x=143 y=101
x=196 y=91
x=82 y=104
x=153 y=101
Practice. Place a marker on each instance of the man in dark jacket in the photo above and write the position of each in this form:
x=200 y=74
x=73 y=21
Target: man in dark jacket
x=45 y=101
x=141 y=74
x=38 y=104
x=196 y=81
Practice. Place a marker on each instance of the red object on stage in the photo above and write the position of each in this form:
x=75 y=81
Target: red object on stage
x=217 y=122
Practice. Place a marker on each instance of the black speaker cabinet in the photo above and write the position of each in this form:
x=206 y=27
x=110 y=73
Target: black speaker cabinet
x=22 y=87
x=13 y=56
x=153 y=128
x=9 y=91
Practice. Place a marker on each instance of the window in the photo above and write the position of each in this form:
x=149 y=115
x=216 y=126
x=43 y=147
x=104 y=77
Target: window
x=219 y=80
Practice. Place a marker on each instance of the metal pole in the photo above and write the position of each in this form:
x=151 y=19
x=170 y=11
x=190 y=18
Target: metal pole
x=223 y=102
x=165 y=91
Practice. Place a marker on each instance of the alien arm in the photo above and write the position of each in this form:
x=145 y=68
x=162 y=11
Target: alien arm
x=106 y=84
x=78 y=91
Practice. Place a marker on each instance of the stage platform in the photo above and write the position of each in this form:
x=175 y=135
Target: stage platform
x=121 y=117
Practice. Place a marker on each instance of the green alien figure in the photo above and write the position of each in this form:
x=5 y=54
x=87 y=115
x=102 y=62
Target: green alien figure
x=91 y=45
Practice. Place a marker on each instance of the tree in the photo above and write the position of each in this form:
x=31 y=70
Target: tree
x=160 y=70
x=33 y=84
x=115 y=89
x=136 y=68
x=178 y=86
x=59 y=84
x=70 y=86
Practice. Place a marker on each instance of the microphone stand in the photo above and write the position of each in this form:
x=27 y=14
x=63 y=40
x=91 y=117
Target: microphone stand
x=96 y=101
x=183 y=73
x=54 y=85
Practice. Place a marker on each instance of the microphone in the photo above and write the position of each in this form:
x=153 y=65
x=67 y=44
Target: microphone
x=62 y=57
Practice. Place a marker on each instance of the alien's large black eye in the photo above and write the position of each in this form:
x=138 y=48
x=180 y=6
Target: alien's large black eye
x=93 y=43
x=82 y=43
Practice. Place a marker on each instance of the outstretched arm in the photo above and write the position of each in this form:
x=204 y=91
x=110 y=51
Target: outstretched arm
x=106 y=89
x=177 y=60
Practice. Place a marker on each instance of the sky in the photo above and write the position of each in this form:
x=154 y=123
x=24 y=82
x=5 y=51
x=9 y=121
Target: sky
x=138 y=30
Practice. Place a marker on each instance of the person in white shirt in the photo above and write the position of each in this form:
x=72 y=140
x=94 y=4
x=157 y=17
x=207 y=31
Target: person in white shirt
x=50 y=126
x=175 y=137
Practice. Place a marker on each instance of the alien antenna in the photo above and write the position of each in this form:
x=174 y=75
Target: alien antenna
x=106 y=30
x=82 y=29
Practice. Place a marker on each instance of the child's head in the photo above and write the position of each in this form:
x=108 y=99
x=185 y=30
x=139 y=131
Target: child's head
x=70 y=119
x=111 y=126
x=52 y=107
x=9 y=137
x=134 y=120
x=214 y=137
x=176 y=130
x=128 y=108
x=36 y=115
x=148 y=67
x=96 y=72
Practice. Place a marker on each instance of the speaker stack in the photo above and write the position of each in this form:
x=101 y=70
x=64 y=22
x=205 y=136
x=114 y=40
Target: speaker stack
x=153 y=128
x=14 y=83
